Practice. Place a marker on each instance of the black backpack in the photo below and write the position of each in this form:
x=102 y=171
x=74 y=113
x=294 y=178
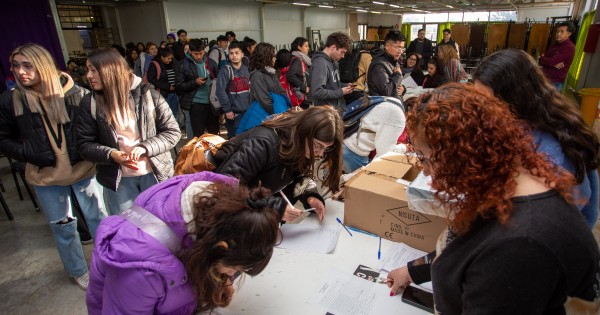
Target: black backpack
x=357 y=109
x=349 y=66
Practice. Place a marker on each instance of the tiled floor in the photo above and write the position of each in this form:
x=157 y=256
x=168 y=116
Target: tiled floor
x=32 y=278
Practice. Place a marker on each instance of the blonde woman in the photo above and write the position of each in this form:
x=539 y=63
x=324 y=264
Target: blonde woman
x=37 y=127
x=450 y=64
x=126 y=128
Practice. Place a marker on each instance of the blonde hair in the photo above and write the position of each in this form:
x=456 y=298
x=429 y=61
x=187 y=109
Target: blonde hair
x=116 y=78
x=449 y=52
x=51 y=91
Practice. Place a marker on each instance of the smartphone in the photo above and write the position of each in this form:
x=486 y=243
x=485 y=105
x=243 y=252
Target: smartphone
x=418 y=298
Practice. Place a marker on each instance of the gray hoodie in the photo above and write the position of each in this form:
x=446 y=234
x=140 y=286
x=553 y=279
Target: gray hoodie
x=325 y=84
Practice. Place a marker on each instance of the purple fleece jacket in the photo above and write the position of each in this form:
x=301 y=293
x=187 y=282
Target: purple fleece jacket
x=133 y=273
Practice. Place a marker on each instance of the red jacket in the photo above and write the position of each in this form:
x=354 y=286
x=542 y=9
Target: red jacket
x=557 y=53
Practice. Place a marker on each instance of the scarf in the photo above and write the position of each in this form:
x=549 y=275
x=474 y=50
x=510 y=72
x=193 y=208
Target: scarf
x=303 y=57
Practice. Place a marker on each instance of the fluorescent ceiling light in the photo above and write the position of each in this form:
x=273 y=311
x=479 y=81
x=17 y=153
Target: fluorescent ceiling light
x=394 y=6
x=304 y=4
x=449 y=6
x=376 y=12
x=375 y=2
x=359 y=10
x=325 y=6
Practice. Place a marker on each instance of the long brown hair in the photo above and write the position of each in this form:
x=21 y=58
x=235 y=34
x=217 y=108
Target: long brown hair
x=243 y=220
x=116 y=78
x=449 y=52
x=477 y=147
x=296 y=129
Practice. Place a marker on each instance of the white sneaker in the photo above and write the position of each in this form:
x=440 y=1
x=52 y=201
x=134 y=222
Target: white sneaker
x=83 y=281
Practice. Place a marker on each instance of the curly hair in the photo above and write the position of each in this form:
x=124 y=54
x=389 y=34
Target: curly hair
x=246 y=223
x=477 y=148
x=262 y=57
x=296 y=129
x=515 y=78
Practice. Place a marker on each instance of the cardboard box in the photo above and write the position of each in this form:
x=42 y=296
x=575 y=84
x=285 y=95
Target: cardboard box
x=376 y=201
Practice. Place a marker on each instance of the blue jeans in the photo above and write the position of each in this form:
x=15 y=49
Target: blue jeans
x=129 y=188
x=353 y=161
x=188 y=125
x=173 y=102
x=232 y=125
x=559 y=85
x=56 y=203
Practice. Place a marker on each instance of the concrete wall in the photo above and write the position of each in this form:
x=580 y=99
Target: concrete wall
x=141 y=22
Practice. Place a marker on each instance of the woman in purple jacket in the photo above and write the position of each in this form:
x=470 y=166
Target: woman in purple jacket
x=213 y=231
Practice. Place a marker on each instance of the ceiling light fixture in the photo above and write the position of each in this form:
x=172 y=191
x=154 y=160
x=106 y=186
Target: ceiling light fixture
x=304 y=4
x=359 y=10
x=325 y=6
x=381 y=3
x=376 y=12
x=394 y=6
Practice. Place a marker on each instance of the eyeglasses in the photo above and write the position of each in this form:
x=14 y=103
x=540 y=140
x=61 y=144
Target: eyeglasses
x=319 y=147
x=398 y=47
x=413 y=59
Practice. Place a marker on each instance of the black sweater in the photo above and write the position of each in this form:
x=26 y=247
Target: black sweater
x=544 y=254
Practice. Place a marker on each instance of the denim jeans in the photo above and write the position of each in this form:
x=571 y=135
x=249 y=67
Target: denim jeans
x=129 y=188
x=353 y=161
x=56 y=203
x=173 y=102
x=188 y=125
x=232 y=125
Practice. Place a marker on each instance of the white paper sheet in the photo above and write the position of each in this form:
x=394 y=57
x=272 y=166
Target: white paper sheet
x=310 y=237
x=346 y=294
x=409 y=82
x=397 y=256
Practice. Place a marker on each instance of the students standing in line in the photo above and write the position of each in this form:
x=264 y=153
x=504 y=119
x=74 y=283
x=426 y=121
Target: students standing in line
x=280 y=155
x=515 y=243
x=179 y=45
x=298 y=74
x=325 y=84
x=263 y=79
x=248 y=47
x=558 y=128
x=143 y=62
x=216 y=229
x=165 y=82
x=233 y=89
x=192 y=81
x=126 y=128
x=37 y=126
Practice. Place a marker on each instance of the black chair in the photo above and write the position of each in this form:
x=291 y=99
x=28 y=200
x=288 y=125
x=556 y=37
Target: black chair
x=5 y=206
x=19 y=168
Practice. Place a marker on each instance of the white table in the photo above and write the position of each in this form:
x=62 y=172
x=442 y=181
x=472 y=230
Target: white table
x=291 y=277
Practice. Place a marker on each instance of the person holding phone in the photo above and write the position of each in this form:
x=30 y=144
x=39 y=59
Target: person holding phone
x=192 y=82
x=515 y=243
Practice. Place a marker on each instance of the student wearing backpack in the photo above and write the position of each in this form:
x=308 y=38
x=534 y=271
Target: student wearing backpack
x=263 y=79
x=385 y=73
x=298 y=72
x=233 y=89
x=161 y=74
x=143 y=62
x=361 y=60
x=218 y=55
x=378 y=130
x=126 y=128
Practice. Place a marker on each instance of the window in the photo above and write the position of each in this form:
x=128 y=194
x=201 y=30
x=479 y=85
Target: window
x=503 y=16
x=79 y=16
x=362 y=31
x=455 y=17
x=481 y=16
x=436 y=17
x=414 y=30
x=413 y=18
x=431 y=32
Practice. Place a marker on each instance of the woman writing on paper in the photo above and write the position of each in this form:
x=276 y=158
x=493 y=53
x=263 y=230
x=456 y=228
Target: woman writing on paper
x=216 y=230
x=515 y=243
x=280 y=154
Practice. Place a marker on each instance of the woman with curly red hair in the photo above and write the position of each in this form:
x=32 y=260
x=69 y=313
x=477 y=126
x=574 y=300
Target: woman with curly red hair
x=515 y=243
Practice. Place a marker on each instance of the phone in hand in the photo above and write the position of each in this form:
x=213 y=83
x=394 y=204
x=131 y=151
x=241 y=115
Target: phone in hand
x=418 y=298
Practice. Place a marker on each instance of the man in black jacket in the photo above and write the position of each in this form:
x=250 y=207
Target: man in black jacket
x=422 y=47
x=385 y=73
x=178 y=47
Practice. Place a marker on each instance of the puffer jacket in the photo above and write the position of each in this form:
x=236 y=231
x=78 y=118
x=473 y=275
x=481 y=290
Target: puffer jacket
x=131 y=272
x=382 y=80
x=24 y=137
x=158 y=130
x=185 y=81
x=253 y=158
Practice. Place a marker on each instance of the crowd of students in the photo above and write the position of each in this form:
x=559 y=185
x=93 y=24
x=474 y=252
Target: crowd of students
x=509 y=157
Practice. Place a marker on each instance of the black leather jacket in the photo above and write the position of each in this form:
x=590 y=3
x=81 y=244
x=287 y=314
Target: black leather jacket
x=382 y=80
x=253 y=158
x=24 y=137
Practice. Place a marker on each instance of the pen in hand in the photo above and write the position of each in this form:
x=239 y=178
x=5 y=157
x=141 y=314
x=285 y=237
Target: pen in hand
x=340 y=222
